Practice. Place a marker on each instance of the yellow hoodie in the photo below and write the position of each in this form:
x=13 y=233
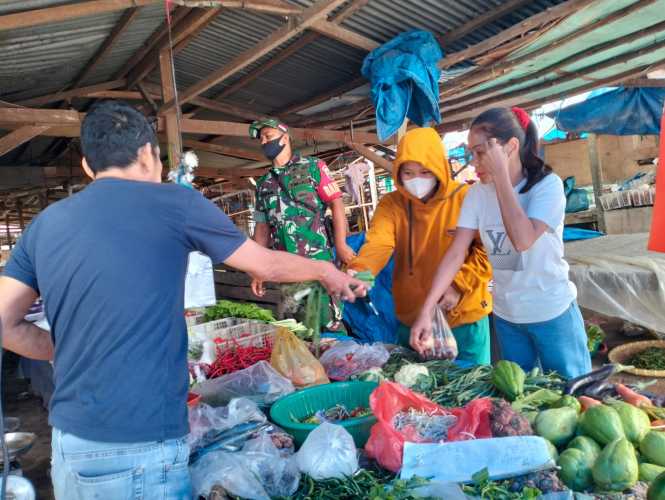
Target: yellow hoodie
x=420 y=233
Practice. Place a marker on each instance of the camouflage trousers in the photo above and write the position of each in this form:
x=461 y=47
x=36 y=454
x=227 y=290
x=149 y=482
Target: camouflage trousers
x=295 y=306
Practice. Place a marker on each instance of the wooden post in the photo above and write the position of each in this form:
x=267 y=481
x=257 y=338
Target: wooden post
x=171 y=116
x=596 y=176
x=9 y=234
x=371 y=175
x=19 y=208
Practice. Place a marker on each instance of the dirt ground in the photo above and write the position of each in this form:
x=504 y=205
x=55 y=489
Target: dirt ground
x=18 y=402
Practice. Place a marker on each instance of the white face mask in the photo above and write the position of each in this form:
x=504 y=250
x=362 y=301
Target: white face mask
x=420 y=186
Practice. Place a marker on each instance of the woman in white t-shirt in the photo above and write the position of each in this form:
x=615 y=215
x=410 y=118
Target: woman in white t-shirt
x=518 y=208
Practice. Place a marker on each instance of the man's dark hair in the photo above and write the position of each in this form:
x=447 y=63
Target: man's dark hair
x=112 y=134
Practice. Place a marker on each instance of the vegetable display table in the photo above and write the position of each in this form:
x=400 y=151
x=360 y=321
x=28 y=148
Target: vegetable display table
x=617 y=276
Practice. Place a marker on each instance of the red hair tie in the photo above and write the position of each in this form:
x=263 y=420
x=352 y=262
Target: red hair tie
x=522 y=117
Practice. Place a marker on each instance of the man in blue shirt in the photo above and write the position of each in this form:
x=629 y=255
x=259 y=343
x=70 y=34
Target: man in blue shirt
x=109 y=263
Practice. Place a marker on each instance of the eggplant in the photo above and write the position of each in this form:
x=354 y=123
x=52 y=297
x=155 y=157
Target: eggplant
x=598 y=390
x=575 y=385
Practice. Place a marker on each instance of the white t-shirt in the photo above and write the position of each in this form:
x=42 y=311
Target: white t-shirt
x=531 y=286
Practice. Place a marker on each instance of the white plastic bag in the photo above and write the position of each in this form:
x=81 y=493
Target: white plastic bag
x=199 y=281
x=345 y=359
x=205 y=420
x=442 y=344
x=328 y=452
x=259 y=471
x=260 y=383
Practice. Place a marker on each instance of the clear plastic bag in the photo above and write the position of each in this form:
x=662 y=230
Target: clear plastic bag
x=291 y=358
x=345 y=359
x=328 y=452
x=205 y=421
x=259 y=383
x=258 y=472
x=442 y=344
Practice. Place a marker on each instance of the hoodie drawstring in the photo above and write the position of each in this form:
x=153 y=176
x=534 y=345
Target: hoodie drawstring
x=410 y=223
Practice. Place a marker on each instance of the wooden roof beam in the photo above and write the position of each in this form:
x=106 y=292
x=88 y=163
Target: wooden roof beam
x=320 y=10
x=69 y=94
x=375 y=158
x=275 y=7
x=195 y=22
x=20 y=136
x=49 y=15
x=245 y=154
x=346 y=36
x=66 y=120
x=118 y=30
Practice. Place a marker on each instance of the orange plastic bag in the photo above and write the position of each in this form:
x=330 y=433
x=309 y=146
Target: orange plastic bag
x=386 y=444
x=657 y=238
x=292 y=359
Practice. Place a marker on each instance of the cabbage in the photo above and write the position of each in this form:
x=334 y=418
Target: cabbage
x=409 y=374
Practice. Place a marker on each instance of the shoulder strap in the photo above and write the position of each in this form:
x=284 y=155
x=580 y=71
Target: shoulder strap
x=283 y=188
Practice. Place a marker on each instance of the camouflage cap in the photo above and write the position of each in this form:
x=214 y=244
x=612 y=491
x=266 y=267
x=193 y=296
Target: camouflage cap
x=257 y=125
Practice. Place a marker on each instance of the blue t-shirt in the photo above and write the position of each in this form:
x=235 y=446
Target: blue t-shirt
x=110 y=265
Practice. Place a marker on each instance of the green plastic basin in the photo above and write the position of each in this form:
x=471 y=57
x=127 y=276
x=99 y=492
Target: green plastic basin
x=304 y=403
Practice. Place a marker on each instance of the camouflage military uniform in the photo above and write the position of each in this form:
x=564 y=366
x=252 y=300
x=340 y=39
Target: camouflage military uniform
x=298 y=226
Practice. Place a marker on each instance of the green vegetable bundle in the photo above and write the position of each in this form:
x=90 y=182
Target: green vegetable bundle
x=228 y=309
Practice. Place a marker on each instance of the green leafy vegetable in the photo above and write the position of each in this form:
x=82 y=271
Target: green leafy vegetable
x=228 y=309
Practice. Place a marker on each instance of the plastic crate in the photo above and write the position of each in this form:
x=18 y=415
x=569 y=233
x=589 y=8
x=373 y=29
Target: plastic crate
x=245 y=332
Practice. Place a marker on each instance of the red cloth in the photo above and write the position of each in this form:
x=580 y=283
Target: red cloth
x=327 y=188
x=657 y=239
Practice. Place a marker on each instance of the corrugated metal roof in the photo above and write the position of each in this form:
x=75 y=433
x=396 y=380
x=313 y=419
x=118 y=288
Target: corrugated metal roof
x=40 y=60
x=12 y=6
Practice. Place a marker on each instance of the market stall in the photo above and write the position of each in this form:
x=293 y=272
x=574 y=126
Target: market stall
x=616 y=276
x=275 y=413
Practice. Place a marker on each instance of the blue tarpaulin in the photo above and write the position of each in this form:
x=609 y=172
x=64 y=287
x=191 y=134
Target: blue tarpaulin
x=367 y=326
x=405 y=81
x=622 y=111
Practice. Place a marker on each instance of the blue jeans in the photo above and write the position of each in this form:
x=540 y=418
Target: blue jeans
x=85 y=470
x=560 y=344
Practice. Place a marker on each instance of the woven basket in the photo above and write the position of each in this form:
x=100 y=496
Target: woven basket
x=624 y=352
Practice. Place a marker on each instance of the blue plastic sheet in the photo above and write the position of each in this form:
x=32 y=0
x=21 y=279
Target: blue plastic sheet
x=622 y=111
x=575 y=234
x=367 y=326
x=405 y=81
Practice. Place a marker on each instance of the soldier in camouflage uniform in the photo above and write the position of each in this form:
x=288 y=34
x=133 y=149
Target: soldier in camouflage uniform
x=291 y=202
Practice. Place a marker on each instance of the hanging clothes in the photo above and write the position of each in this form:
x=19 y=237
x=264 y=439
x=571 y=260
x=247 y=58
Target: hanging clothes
x=354 y=176
x=405 y=81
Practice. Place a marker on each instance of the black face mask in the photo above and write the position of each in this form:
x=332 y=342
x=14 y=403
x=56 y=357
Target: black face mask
x=273 y=148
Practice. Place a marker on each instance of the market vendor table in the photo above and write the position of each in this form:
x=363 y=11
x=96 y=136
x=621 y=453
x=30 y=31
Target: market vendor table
x=617 y=276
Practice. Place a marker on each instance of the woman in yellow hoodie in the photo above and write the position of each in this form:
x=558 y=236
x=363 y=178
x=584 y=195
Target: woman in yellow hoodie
x=417 y=222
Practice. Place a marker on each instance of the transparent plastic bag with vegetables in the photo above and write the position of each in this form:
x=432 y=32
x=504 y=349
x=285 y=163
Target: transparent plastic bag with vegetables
x=442 y=343
x=346 y=359
x=291 y=358
x=260 y=383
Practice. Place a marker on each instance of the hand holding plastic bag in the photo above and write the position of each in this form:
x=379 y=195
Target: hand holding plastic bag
x=442 y=343
x=328 y=452
x=349 y=358
x=292 y=359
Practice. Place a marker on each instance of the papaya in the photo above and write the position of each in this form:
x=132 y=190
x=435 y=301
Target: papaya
x=649 y=472
x=657 y=488
x=575 y=469
x=652 y=447
x=570 y=401
x=634 y=421
x=616 y=468
x=602 y=423
x=587 y=446
x=557 y=425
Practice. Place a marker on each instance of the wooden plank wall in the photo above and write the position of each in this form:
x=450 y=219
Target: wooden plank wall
x=618 y=157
